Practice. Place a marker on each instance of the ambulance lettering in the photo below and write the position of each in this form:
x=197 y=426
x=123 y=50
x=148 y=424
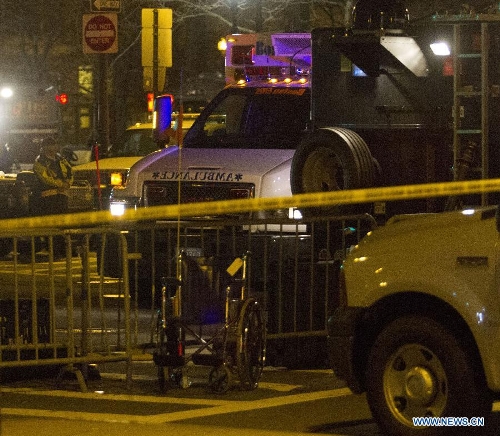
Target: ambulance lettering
x=197 y=176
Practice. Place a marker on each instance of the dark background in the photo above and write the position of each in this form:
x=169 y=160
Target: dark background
x=41 y=43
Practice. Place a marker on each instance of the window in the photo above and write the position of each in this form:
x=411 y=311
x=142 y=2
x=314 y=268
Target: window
x=136 y=142
x=245 y=118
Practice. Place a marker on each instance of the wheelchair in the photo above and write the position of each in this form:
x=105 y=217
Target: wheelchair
x=235 y=353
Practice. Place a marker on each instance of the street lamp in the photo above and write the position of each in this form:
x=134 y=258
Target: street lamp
x=440 y=48
x=6 y=92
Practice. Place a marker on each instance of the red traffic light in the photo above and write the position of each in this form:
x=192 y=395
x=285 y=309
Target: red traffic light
x=62 y=98
x=151 y=101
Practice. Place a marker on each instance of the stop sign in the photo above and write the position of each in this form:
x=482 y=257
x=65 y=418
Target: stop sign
x=100 y=33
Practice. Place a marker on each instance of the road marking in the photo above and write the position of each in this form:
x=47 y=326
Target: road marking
x=251 y=405
x=279 y=387
x=117 y=397
x=219 y=407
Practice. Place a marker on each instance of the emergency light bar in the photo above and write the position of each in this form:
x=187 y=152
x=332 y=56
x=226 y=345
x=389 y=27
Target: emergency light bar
x=268 y=58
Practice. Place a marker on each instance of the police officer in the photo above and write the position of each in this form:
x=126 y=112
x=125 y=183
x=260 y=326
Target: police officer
x=55 y=177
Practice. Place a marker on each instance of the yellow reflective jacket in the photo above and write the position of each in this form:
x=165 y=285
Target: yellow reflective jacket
x=53 y=174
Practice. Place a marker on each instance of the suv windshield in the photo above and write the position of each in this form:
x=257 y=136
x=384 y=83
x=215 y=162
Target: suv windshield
x=252 y=118
x=134 y=142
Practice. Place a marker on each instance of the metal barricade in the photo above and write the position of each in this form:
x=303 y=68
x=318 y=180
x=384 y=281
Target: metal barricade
x=53 y=310
x=85 y=308
x=292 y=272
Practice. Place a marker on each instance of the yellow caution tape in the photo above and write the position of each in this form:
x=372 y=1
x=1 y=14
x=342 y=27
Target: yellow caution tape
x=320 y=199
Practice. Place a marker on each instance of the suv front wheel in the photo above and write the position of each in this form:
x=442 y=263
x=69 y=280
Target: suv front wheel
x=417 y=368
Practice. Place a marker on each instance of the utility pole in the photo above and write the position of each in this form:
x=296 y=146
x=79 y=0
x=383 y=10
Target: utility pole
x=103 y=120
x=259 y=22
x=234 y=16
x=155 y=52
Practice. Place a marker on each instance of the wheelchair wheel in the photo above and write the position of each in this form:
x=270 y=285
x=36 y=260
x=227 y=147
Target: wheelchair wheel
x=168 y=377
x=164 y=372
x=219 y=379
x=165 y=357
x=251 y=344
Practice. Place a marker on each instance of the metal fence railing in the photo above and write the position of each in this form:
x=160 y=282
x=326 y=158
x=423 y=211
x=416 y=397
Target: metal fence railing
x=292 y=271
x=53 y=306
x=84 y=307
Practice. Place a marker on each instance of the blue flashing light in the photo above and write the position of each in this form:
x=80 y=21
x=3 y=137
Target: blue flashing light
x=358 y=72
x=163 y=117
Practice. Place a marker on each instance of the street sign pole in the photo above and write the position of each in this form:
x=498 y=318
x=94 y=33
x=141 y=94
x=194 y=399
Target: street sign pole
x=156 y=45
x=103 y=103
x=100 y=36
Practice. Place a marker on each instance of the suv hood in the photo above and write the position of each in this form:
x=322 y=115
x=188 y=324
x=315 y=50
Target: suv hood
x=109 y=163
x=429 y=230
x=220 y=165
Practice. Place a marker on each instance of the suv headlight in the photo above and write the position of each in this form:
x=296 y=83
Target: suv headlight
x=117 y=208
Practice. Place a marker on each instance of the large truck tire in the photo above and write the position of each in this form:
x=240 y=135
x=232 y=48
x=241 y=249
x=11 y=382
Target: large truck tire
x=332 y=159
x=418 y=368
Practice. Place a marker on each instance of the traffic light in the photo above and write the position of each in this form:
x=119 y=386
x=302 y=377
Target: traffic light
x=151 y=102
x=62 y=98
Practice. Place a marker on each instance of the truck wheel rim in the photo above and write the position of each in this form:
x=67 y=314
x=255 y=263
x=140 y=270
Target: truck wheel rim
x=415 y=384
x=322 y=172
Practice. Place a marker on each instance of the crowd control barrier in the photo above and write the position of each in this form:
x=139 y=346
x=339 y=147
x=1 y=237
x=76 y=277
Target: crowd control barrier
x=83 y=306
x=56 y=310
x=292 y=272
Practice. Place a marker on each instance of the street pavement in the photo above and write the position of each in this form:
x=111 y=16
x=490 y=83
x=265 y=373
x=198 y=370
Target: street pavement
x=42 y=408
x=46 y=426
